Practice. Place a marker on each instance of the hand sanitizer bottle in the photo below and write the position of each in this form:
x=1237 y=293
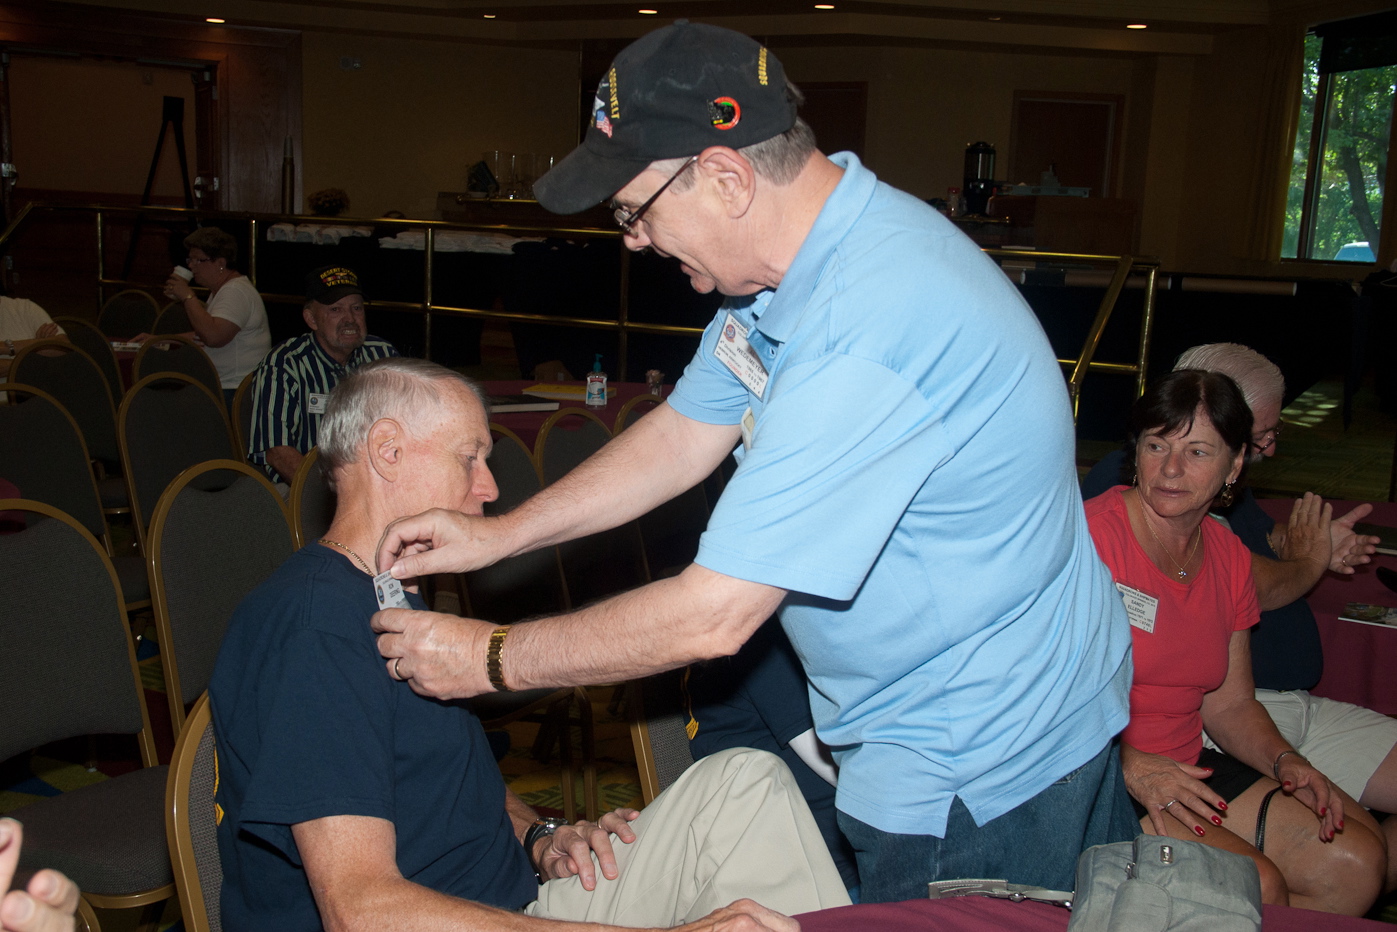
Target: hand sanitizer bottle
x=596 y=385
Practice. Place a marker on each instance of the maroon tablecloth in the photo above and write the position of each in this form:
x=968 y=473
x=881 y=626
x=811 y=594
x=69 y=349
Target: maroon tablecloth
x=1358 y=659
x=527 y=425
x=981 y=914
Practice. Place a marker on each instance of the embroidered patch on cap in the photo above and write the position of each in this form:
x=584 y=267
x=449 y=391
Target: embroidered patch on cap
x=607 y=88
x=724 y=112
x=334 y=277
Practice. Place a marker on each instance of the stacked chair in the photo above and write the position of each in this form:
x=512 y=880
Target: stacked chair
x=172 y=353
x=127 y=313
x=72 y=672
x=218 y=530
x=43 y=453
x=167 y=423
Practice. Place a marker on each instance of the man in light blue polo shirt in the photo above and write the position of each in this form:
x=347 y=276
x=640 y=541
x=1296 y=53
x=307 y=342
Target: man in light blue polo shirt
x=906 y=495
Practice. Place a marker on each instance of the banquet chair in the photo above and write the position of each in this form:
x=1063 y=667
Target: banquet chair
x=219 y=530
x=600 y=564
x=85 y=336
x=42 y=452
x=191 y=822
x=635 y=409
x=172 y=319
x=312 y=500
x=522 y=587
x=127 y=313
x=174 y=353
x=70 y=670
x=655 y=707
x=167 y=423
x=670 y=530
x=240 y=413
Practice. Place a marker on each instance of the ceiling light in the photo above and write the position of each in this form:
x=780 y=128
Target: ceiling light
x=648 y=12
x=489 y=15
x=994 y=19
x=214 y=19
x=1136 y=26
x=824 y=6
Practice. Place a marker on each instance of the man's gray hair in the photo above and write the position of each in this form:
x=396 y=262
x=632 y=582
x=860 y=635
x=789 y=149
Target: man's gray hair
x=1259 y=378
x=778 y=159
x=397 y=386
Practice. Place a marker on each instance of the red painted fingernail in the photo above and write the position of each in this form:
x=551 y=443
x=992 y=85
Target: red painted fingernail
x=1199 y=830
x=1217 y=820
x=1322 y=809
x=1222 y=806
x=1341 y=825
x=1286 y=784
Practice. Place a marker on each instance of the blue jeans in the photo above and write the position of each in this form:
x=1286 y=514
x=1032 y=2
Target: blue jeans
x=1036 y=843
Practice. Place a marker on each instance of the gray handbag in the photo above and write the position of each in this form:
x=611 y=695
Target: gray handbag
x=1151 y=884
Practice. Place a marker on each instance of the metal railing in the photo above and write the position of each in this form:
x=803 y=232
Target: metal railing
x=1080 y=366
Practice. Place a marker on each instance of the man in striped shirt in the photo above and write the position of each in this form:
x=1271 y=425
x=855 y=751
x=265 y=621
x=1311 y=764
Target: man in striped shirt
x=294 y=381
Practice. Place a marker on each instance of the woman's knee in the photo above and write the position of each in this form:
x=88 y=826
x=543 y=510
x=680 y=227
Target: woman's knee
x=1274 y=889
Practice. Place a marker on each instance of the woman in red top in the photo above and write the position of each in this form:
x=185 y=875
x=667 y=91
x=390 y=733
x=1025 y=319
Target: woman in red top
x=1188 y=590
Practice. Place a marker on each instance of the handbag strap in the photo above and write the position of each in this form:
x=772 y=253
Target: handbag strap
x=998 y=889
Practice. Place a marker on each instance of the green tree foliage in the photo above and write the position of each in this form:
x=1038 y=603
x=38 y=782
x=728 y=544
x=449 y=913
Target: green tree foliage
x=1353 y=166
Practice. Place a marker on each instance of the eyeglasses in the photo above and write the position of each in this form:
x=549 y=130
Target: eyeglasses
x=192 y=260
x=1267 y=439
x=627 y=221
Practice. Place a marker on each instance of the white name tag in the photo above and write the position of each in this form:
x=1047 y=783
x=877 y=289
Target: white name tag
x=1139 y=607
x=315 y=404
x=737 y=354
x=389 y=591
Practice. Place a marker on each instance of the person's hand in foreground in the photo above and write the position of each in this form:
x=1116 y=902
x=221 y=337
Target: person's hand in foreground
x=1349 y=549
x=742 y=916
x=47 y=904
x=568 y=851
x=436 y=541
x=438 y=655
x=1167 y=788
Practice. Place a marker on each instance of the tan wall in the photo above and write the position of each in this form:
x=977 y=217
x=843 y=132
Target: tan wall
x=418 y=114
x=83 y=125
x=925 y=105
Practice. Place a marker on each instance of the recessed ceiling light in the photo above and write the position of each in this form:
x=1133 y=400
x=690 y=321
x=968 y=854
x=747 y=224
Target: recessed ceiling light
x=648 y=12
x=1136 y=26
x=489 y=15
x=214 y=19
x=994 y=19
x=824 y=6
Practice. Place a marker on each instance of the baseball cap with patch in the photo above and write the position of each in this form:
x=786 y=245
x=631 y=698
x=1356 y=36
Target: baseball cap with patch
x=330 y=283
x=671 y=94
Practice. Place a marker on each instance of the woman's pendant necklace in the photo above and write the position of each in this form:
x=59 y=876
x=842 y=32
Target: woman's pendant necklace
x=1183 y=571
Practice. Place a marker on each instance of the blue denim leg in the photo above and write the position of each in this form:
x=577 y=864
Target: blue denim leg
x=1036 y=843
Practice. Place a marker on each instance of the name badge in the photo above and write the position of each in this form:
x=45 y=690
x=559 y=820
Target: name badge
x=1139 y=607
x=737 y=354
x=315 y=404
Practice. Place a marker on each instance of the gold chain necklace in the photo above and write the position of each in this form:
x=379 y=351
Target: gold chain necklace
x=1183 y=573
x=335 y=543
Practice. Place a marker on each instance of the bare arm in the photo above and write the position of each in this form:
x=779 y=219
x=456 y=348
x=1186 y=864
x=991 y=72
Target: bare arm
x=214 y=331
x=696 y=615
x=663 y=454
x=351 y=864
x=1243 y=729
x=285 y=460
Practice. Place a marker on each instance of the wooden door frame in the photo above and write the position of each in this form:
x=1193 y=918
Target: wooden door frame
x=1114 y=169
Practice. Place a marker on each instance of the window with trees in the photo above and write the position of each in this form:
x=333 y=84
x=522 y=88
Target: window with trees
x=1334 y=210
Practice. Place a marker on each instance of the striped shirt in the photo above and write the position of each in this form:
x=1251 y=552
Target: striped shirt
x=281 y=394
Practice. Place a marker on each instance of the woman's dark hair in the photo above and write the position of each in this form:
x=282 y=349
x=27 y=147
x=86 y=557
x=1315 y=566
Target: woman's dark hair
x=1171 y=403
x=214 y=243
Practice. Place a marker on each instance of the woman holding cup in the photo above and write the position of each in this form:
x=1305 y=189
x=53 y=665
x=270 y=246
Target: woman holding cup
x=232 y=324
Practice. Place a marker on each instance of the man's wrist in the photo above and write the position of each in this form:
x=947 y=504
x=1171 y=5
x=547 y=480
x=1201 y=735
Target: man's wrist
x=494 y=659
x=540 y=830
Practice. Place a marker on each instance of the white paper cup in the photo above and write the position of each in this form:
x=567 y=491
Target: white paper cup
x=183 y=273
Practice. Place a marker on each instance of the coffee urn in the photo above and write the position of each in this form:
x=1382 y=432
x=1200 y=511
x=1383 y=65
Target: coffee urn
x=979 y=176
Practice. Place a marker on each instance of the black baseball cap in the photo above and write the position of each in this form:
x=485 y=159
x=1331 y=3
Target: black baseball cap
x=671 y=94
x=330 y=283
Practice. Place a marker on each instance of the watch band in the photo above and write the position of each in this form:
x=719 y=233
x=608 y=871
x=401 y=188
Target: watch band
x=494 y=659
x=539 y=829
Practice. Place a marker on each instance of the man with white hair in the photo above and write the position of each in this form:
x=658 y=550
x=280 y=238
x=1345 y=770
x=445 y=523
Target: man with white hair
x=348 y=801
x=1355 y=747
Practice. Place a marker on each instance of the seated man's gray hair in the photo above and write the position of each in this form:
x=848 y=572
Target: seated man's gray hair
x=1259 y=378
x=398 y=387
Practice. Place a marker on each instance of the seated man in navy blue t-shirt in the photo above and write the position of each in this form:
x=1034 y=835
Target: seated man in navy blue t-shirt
x=350 y=801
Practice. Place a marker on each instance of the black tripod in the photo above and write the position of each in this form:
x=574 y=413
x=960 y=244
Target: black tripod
x=172 y=119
